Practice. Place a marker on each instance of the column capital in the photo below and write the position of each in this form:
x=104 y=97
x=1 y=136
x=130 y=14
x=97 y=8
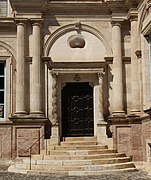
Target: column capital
x=54 y=74
x=116 y=22
x=22 y=22
x=36 y=22
x=133 y=14
x=101 y=74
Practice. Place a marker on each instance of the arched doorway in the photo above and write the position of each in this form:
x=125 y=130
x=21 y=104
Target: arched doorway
x=77 y=110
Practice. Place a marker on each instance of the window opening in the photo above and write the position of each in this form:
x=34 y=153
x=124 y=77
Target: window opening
x=2 y=89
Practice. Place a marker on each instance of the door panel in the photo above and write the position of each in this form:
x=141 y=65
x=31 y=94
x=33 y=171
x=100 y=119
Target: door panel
x=77 y=110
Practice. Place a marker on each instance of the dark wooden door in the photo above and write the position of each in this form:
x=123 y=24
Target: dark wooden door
x=77 y=110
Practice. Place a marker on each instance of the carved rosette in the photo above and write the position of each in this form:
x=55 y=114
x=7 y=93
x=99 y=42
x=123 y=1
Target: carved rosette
x=54 y=99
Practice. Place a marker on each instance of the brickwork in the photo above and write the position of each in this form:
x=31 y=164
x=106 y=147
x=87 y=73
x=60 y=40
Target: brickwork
x=146 y=138
x=5 y=141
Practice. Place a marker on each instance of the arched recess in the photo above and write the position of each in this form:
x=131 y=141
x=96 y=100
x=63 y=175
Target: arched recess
x=71 y=27
x=9 y=57
x=8 y=48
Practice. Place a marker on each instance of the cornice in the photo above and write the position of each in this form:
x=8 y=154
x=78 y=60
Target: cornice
x=64 y=7
x=6 y=22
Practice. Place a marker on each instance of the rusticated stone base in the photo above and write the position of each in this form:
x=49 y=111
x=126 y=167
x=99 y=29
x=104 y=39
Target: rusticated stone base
x=130 y=134
x=27 y=132
x=6 y=140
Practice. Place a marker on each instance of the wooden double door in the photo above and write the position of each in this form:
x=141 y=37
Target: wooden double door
x=77 y=110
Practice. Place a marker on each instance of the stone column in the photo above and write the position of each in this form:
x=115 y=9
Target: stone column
x=36 y=103
x=118 y=108
x=101 y=125
x=20 y=70
x=55 y=134
x=135 y=86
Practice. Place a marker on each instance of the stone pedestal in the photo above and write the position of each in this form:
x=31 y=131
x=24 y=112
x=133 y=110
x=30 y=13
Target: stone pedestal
x=55 y=135
x=27 y=132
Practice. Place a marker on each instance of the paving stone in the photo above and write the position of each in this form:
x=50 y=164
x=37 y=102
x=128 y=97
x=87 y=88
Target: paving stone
x=123 y=176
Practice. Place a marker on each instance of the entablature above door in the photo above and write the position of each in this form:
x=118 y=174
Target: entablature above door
x=76 y=67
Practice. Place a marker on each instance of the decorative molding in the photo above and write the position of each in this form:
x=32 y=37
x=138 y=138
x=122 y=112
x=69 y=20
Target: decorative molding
x=54 y=119
x=71 y=27
x=77 y=77
x=109 y=60
x=146 y=27
x=8 y=48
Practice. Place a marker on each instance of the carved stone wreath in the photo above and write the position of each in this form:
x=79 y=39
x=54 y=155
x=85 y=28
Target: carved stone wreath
x=76 y=41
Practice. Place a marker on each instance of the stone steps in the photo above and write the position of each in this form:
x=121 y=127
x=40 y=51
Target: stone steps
x=82 y=173
x=78 y=162
x=80 y=139
x=75 y=156
x=91 y=149
x=76 y=147
x=76 y=143
x=52 y=168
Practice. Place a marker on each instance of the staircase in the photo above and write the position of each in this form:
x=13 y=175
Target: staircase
x=75 y=156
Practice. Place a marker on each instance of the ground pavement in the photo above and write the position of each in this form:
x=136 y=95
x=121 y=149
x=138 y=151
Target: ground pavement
x=125 y=176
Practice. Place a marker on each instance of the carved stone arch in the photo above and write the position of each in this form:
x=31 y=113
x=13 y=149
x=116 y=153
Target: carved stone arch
x=71 y=27
x=142 y=17
x=8 y=48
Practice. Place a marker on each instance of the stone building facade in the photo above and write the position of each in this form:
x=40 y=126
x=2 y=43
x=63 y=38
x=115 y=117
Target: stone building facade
x=75 y=68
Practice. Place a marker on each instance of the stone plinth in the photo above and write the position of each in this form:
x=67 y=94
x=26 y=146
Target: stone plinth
x=27 y=131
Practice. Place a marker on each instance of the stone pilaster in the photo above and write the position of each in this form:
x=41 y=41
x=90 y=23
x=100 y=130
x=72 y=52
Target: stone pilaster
x=135 y=84
x=118 y=108
x=101 y=125
x=20 y=70
x=101 y=117
x=35 y=103
x=55 y=134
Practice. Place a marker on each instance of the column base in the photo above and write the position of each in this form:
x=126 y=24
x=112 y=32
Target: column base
x=101 y=131
x=36 y=113
x=119 y=113
x=20 y=113
x=135 y=112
